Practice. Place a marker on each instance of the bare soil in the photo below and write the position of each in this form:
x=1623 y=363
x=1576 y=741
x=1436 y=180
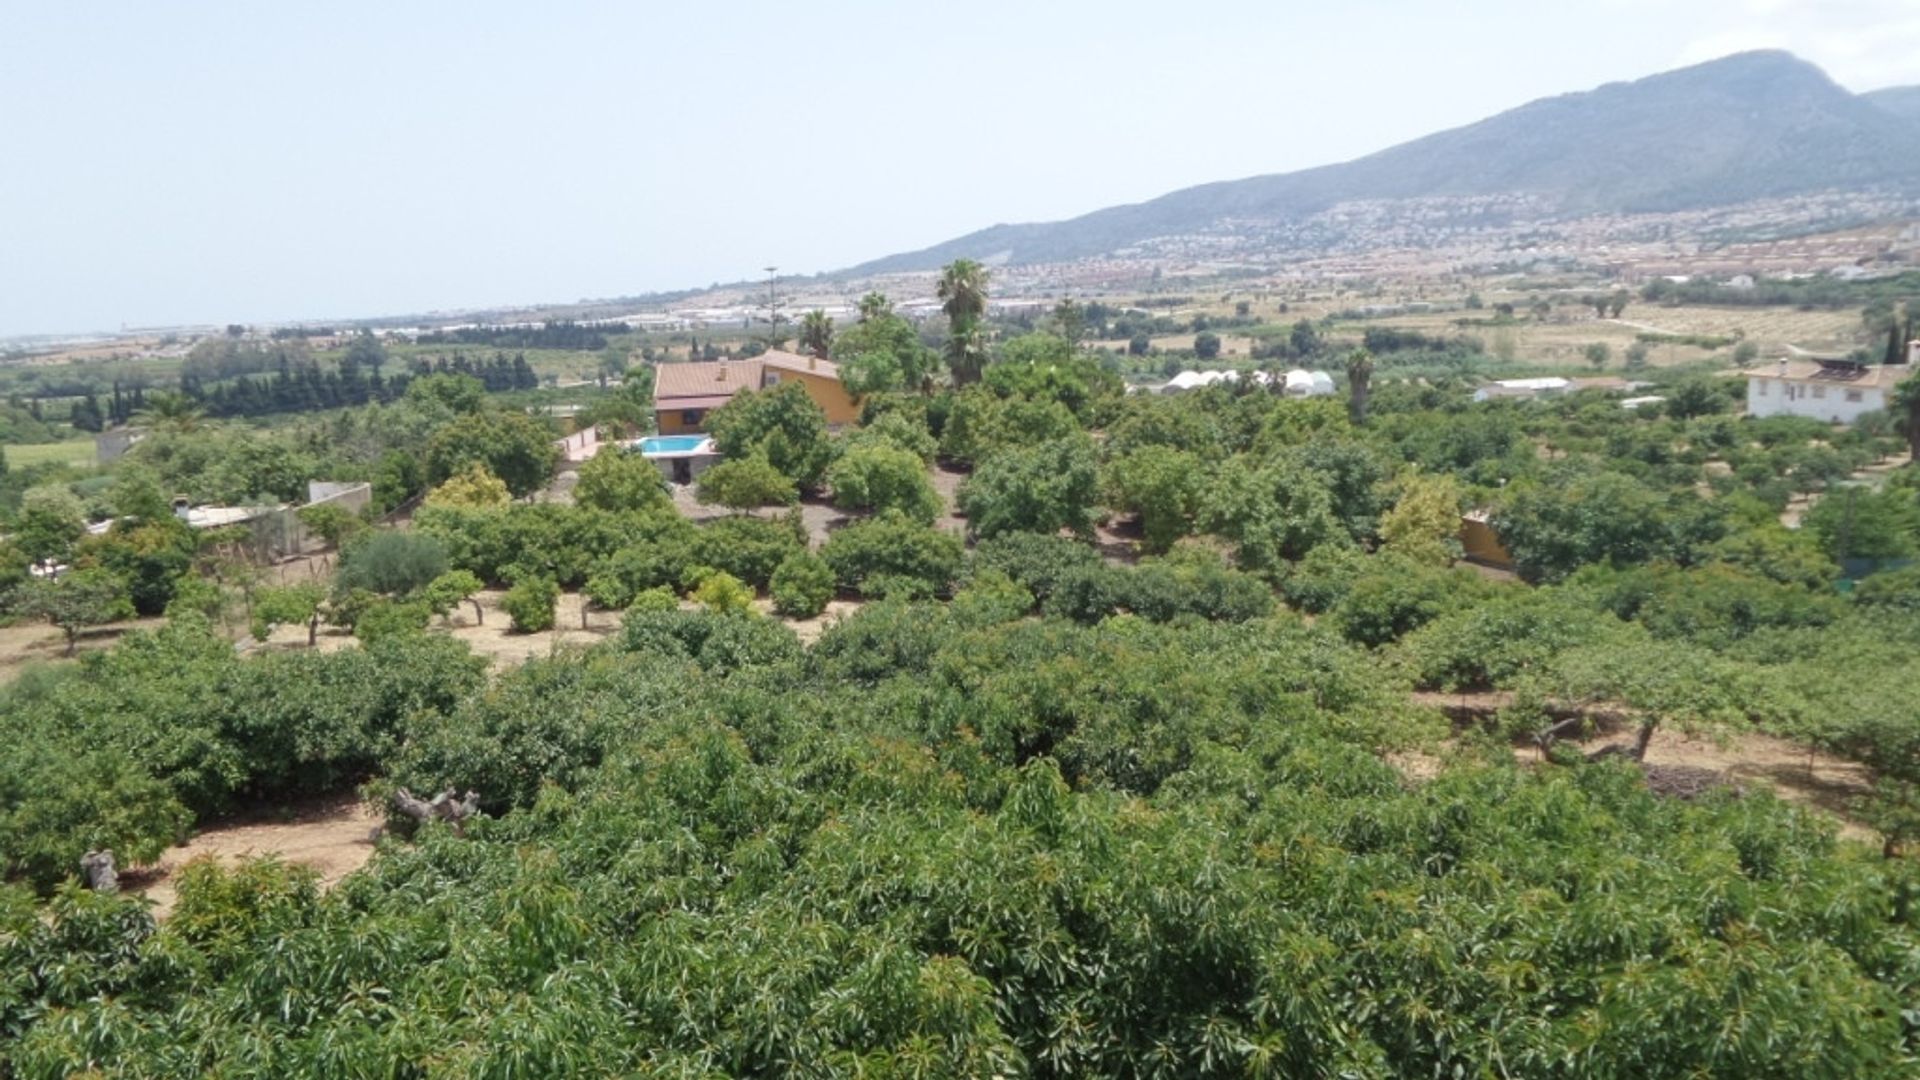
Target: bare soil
x=1743 y=759
x=30 y=643
x=334 y=836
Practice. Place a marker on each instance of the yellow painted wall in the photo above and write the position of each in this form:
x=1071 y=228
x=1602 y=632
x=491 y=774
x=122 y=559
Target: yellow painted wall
x=1482 y=545
x=667 y=422
x=826 y=392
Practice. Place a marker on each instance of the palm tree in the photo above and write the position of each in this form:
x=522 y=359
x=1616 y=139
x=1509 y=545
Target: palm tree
x=875 y=305
x=169 y=412
x=963 y=295
x=816 y=333
x=1359 y=376
x=966 y=353
x=963 y=291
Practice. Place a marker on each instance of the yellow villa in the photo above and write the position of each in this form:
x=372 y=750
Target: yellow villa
x=683 y=394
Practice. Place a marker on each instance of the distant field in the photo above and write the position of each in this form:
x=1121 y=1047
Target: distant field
x=71 y=452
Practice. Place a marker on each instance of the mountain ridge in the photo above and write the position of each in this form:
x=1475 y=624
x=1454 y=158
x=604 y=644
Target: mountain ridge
x=1748 y=126
x=1901 y=101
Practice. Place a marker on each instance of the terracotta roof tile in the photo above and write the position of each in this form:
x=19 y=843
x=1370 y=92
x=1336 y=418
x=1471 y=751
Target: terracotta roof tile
x=716 y=378
x=786 y=361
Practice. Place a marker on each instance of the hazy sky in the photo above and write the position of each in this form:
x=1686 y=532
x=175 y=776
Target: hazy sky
x=215 y=162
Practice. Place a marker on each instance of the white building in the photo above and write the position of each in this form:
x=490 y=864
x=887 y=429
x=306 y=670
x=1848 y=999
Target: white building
x=1547 y=386
x=1836 y=391
x=1309 y=383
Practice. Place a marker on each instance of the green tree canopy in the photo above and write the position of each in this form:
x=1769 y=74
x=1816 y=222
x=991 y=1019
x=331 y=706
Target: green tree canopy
x=782 y=424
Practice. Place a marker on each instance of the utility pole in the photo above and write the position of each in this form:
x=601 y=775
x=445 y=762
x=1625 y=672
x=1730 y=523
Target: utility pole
x=773 y=307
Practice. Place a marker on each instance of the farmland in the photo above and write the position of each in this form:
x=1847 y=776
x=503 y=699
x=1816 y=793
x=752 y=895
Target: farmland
x=1027 y=725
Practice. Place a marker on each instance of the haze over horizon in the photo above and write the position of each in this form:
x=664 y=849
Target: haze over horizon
x=229 y=164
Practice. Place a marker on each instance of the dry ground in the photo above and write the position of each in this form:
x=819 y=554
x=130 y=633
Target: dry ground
x=1745 y=759
x=334 y=836
x=30 y=643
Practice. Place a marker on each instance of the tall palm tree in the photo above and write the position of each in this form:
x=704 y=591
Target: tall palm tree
x=963 y=291
x=966 y=353
x=816 y=333
x=1359 y=378
x=963 y=296
x=875 y=305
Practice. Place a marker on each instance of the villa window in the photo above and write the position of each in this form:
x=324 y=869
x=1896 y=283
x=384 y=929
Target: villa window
x=690 y=417
x=1820 y=391
x=1853 y=395
x=1760 y=389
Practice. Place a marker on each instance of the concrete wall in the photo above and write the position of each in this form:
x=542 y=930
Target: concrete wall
x=1829 y=402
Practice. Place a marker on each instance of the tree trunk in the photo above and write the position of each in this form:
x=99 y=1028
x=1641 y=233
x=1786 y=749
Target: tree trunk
x=73 y=639
x=313 y=631
x=1640 y=743
x=97 y=870
x=479 y=617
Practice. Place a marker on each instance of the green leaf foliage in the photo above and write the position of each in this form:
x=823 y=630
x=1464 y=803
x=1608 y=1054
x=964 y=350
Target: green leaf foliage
x=801 y=586
x=1042 y=488
x=893 y=546
x=881 y=478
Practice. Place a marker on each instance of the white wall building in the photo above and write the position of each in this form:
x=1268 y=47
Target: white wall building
x=1836 y=391
x=1548 y=386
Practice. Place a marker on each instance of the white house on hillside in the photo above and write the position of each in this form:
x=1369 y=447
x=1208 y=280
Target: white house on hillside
x=1836 y=391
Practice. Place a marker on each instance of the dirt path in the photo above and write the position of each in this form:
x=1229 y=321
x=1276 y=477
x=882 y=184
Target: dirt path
x=334 y=836
x=1749 y=758
x=1875 y=474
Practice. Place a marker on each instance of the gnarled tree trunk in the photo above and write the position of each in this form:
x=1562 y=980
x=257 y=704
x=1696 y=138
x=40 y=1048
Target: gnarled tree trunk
x=97 y=870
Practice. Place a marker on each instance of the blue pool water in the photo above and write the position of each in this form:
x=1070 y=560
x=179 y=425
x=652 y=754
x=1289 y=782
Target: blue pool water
x=671 y=444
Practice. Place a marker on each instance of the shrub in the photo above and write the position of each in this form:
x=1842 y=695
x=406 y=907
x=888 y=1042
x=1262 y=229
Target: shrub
x=1396 y=595
x=391 y=563
x=896 y=428
x=512 y=445
x=656 y=599
x=781 y=424
x=749 y=548
x=472 y=488
x=450 y=590
x=1494 y=643
x=745 y=483
x=1162 y=486
x=801 y=586
x=1424 y=523
x=1044 y=488
x=723 y=594
x=618 y=480
x=1891 y=590
x=880 y=478
x=529 y=604
x=1319 y=581
x=379 y=619
x=991 y=597
x=893 y=546
x=1039 y=563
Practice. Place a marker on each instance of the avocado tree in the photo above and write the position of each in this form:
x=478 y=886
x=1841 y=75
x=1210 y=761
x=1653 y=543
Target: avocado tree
x=78 y=600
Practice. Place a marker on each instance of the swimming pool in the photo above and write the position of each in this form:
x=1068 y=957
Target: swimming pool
x=673 y=444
